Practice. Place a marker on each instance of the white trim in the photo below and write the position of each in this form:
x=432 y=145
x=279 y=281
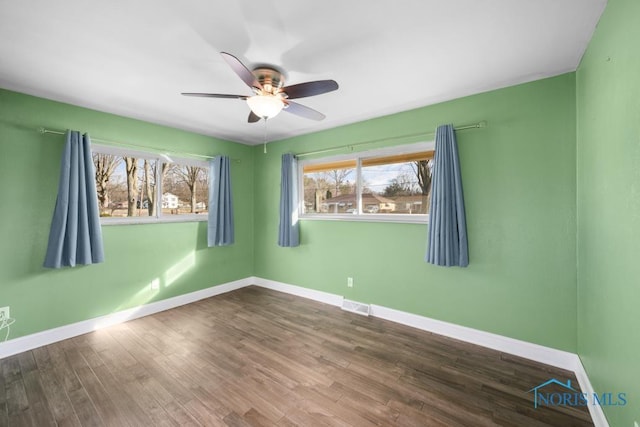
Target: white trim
x=413 y=147
x=126 y=152
x=149 y=154
x=596 y=412
x=165 y=219
x=398 y=218
x=325 y=297
x=29 y=342
x=539 y=353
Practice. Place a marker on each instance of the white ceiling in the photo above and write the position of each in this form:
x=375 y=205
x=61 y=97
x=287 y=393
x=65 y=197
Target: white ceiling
x=133 y=58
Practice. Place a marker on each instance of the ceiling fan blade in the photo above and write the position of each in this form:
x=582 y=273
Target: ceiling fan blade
x=302 y=90
x=253 y=117
x=214 y=95
x=243 y=72
x=303 y=111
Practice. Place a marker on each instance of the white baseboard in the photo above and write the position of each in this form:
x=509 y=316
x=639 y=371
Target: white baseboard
x=29 y=342
x=596 y=412
x=319 y=296
x=539 y=353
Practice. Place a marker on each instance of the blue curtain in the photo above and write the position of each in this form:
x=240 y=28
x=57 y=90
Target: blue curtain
x=220 y=228
x=289 y=230
x=75 y=236
x=447 y=244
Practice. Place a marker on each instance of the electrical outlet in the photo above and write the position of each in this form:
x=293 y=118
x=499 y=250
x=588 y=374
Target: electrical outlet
x=155 y=285
x=349 y=282
x=4 y=313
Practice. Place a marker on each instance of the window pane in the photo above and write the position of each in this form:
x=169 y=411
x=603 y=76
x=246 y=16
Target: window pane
x=185 y=189
x=393 y=185
x=330 y=191
x=125 y=185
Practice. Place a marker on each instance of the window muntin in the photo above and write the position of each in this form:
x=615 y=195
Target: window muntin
x=391 y=184
x=126 y=183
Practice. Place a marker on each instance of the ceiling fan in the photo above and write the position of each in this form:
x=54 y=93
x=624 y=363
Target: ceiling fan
x=270 y=96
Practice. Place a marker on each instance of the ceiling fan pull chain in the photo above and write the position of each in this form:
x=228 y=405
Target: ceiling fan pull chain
x=264 y=148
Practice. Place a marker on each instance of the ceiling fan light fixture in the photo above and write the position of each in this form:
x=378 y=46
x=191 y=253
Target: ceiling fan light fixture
x=265 y=106
x=270 y=96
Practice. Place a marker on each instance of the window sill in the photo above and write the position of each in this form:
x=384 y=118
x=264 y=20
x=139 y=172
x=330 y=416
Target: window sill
x=397 y=218
x=153 y=220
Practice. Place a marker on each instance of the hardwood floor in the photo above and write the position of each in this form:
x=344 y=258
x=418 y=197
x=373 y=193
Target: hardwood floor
x=261 y=358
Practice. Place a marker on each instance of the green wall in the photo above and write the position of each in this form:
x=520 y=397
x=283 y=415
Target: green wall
x=175 y=254
x=531 y=192
x=608 y=208
x=519 y=184
x=519 y=177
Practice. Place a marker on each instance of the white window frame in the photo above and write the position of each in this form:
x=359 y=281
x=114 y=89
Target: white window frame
x=358 y=157
x=159 y=158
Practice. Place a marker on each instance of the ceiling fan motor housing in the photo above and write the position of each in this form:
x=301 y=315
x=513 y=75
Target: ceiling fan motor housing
x=270 y=79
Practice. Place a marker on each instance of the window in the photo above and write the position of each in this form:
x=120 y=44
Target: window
x=185 y=188
x=330 y=188
x=137 y=186
x=391 y=184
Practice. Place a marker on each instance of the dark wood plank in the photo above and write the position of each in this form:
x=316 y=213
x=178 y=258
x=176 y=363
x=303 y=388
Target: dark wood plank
x=38 y=402
x=106 y=408
x=18 y=411
x=11 y=369
x=256 y=357
x=4 y=420
x=57 y=397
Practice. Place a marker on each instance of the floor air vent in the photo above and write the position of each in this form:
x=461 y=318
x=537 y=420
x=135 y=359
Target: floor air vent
x=355 y=307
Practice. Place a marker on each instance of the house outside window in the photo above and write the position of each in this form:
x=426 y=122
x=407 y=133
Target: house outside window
x=169 y=201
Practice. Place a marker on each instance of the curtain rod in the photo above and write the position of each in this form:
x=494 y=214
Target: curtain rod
x=128 y=145
x=482 y=124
